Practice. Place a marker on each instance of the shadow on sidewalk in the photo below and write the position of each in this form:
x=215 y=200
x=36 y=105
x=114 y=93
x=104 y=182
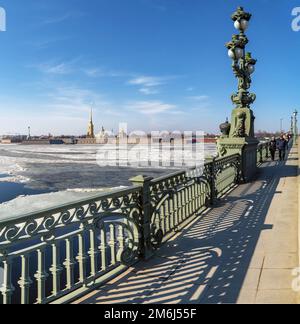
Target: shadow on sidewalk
x=208 y=262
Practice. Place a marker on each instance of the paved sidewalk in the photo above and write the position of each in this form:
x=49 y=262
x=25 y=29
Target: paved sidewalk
x=242 y=251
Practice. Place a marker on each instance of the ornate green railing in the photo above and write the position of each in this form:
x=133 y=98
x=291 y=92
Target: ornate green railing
x=50 y=254
x=179 y=198
x=263 y=152
x=58 y=254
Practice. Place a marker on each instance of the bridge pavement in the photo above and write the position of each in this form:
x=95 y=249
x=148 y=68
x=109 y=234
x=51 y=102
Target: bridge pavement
x=242 y=251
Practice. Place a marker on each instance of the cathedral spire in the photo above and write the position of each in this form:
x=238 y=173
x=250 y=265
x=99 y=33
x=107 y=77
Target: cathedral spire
x=91 y=115
x=90 y=133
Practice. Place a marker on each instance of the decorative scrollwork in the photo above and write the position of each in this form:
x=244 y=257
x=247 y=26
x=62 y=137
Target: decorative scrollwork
x=127 y=256
x=105 y=204
x=31 y=227
x=157 y=236
x=49 y=222
x=80 y=213
x=40 y=224
x=11 y=233
x=66 y=217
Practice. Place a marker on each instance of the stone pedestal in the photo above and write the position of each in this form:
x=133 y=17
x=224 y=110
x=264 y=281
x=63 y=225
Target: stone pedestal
x=242 y=123
x=247 y=148
x=238 y=138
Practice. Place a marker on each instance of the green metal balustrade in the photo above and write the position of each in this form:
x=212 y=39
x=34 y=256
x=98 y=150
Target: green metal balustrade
x=263 y=152
x=59 y=254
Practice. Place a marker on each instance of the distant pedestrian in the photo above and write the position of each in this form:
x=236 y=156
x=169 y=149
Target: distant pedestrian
x=286 y=137
x=282 y=147
x=273 y=148
x=290 y=141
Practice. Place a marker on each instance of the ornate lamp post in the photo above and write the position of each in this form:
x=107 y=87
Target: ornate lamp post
x=238 y=137
x=243 y=64
x=281 y=125
x=295 y=126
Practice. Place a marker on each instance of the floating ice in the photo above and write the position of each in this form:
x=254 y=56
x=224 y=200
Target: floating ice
x=24 y=205
x=66 y=171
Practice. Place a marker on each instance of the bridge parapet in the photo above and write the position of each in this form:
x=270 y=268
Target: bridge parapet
x=60 y=253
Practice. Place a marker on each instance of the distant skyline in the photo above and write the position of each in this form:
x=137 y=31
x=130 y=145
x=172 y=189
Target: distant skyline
x=155 y=64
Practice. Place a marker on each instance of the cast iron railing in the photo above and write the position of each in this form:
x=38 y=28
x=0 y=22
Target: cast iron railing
x=58 y=254
x=263 y=152
x=50 y=254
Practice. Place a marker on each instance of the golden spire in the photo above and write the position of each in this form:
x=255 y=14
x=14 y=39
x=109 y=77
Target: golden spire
x=91 y=115
x=90 y=133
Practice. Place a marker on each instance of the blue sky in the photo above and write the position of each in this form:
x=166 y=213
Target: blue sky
x=156 y=64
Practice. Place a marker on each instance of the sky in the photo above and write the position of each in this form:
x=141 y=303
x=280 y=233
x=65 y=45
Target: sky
x=155 y=64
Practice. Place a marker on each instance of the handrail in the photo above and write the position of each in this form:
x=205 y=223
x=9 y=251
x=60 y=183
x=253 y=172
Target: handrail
x=74 y=204
x=55 y=253
x=263 y=151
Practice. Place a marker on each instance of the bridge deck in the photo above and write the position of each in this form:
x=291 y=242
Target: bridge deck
x=242 y=251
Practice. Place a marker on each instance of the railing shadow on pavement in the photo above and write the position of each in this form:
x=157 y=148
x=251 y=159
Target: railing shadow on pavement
x=208 y=262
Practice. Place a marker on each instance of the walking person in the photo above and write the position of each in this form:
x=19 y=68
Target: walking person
x=286 y=137
x=282 y=147
x=289 y=141
x=273 y=148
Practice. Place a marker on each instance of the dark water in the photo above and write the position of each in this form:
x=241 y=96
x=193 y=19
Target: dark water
x=11 y=190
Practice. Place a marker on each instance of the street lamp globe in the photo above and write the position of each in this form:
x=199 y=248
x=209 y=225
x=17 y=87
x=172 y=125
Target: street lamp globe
x=236 y=53
x=231 y=54
x=241 y=25
x=251 y=68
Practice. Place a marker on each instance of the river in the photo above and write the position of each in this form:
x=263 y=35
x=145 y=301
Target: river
x=60 y=173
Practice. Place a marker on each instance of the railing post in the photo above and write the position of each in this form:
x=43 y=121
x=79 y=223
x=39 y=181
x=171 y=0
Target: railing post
x=41 y=276
x=25 y=280
x=56 y=268
x=69 y=263
x=7 y=288
x=261 y=160
x=146 y=212
x=82 y=257
x=239 y=172
x=212 y=182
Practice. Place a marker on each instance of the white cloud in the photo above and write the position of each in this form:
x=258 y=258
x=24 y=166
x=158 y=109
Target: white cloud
x=152 y=107
x=58 y=110
x=62 y=68
x=149 y=84
x=190 y=89
x=57 y=19
x=199 y=98
x=155 y=5
x=148 y=81
x=62 y=18
x=102 y=72
x=74 y=100
x=46 y=43
x=148 y=91
x=94 y=72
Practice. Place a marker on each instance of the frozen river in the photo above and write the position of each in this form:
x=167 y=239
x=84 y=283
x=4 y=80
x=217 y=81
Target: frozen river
x=35 y=177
